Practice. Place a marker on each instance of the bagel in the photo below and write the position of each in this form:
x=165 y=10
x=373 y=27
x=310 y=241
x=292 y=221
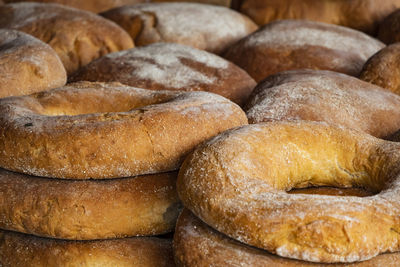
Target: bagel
x=325 y=96
x=88 y=209
x=165 y=66
x=363 y=15
x=206 y=27
x=18 y=250
x=77 y=36
x=376 y=68
x=106 y=130
x=237 y=183
x=197 y=244
x=298 y=44
x=27 y=65
x=95 y=6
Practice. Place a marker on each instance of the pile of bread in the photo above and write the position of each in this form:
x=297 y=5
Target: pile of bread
x=243 y=133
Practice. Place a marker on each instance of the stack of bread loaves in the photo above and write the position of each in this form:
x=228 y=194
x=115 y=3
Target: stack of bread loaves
x=84 y=138
x=149 y=134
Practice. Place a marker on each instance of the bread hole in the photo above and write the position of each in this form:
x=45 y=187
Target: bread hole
x=333 y=191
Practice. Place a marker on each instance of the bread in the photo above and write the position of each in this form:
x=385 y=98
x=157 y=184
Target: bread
x=165 y=66
x=389 y=32
x=325 y=96
x=95 y=6
x=363 y=15
x=27 y=65
x=237 y=183
x=197 y=244
x=108 y=130
x=18 y=250
x=77 y=36
x=206 y=27
x=383 y=69
x=299 y=44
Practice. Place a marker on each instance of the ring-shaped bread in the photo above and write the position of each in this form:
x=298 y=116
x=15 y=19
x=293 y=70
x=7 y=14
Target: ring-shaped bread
x=237 y=184
x=107 y=130
x=20 y=250
x=88 y=209
x=198 y=245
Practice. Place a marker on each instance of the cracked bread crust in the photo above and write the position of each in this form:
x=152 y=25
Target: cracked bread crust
x=88 y=209
x=77 y=36
x=108 y=130
x=30 y=251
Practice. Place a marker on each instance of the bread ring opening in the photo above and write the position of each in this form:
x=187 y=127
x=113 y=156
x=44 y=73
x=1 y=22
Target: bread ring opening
x=65 y=103
x=333 y=191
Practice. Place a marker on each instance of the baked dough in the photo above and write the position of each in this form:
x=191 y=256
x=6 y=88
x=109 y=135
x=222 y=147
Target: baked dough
x=383 y=68
x=206 y=27
x=237 y=183
x=299 y=44
x=326 y=96
x=77 y=36
x=363 y=15
x=91 y=209
x=27 y=65
x=95 y=6
x=107 y=130
x=166 y=66
x=389 y=32
x=196 y=244
x=19 y=250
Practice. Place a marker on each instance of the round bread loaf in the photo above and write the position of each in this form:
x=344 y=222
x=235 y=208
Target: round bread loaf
x=19 y=250
x=363 y=15
x=205 y=27
x=166 y=66
x=90 y=209
x=198 y=245
x=106 y=130
x=298 y=44
x=334 y=98
x=389 y=31
x=238 y=181
x=383 y=68
x=95 y=6
x=27 y=65
x=77 y=36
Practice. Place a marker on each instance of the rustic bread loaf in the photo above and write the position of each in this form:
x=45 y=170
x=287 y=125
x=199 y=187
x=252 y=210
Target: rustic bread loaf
x=27 y=65
x=167 y=66
x=299 y=44
x=205 y=27
x=77 y=36
x=363 y=15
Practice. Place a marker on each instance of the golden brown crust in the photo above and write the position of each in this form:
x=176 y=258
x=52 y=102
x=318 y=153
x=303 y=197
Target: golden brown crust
x=389 y=32
x=166 y=66
x=206 y=27
x=107 y=130
x=27 y=65
x=363 y=15
x=325 y=96
x=383 y=69
x=77 y=36
x=91 y=209
x=19 y=250
x=297 y=44
x=95 y=6
x=237 y=183
x=197 y=244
